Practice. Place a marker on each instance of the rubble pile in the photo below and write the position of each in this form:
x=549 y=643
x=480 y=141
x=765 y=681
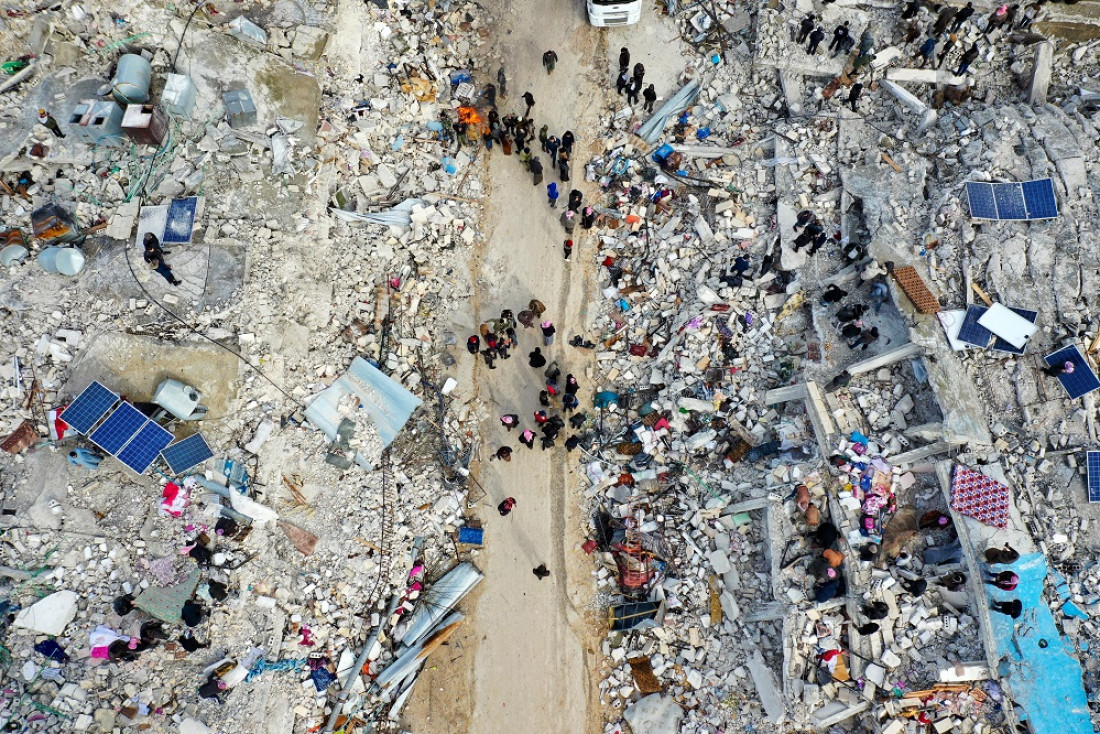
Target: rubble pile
x=925 y=661
x=306 y=582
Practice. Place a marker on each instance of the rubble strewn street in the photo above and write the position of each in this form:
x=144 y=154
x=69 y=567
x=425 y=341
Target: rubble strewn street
x=434 y=367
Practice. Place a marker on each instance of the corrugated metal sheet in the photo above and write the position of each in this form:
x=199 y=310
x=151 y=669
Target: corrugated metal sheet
x=386 y=403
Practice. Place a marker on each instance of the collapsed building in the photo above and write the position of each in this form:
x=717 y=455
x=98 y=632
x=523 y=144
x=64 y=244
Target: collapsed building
x=734 y=402
x=725 y=388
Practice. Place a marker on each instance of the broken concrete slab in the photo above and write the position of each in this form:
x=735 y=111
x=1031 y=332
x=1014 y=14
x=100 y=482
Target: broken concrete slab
x=49 y=615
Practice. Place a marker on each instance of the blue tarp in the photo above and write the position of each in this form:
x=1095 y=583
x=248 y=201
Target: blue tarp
x=386 y=403
x=1045 y=681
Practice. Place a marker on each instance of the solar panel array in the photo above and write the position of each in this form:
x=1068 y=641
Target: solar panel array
x=91 y=405
x=140 y=453
x=1082 y=380
x=118 y=429
x=1001 y=345
x=1092 y=461
x=1030 y=200
x=182 y=455
x=128 y=435
x=971 y=331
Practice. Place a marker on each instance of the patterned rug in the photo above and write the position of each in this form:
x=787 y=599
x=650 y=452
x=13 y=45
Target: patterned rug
x=977 y=496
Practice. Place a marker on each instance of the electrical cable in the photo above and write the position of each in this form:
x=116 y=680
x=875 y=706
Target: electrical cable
x=198 y=6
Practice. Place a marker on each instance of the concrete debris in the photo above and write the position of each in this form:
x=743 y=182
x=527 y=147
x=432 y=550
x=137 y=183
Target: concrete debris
x=783 y=348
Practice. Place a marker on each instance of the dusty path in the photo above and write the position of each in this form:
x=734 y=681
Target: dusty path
x=527 y=657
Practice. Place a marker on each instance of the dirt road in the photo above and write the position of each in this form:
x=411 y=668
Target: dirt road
x=526 y=661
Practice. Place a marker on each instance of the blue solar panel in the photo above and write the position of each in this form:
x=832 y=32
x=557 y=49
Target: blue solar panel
x=142 y=451
x=1001 y=345
x=89 y=407
x=1082 y=380
x=1092 y=462
x=982 y=203
x=182 y=455
x=119 y=428
x=181 y=221
x=1040 y=199
x=1010 y=201
x=971 y=331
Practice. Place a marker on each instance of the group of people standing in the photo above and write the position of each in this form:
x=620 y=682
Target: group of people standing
x=631 y=82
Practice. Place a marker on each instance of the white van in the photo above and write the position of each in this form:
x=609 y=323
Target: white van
x=605 y=13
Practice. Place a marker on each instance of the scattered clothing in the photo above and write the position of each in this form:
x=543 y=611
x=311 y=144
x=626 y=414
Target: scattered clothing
x=85 y=458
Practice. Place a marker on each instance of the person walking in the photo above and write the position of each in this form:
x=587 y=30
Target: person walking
x=575 y=198
x=650 y=96
x=504 y=453
x=551 y=147
x=527 y=438
x=506 y=506
x=632 y=91
x=944 y=20
x=47 y=120
x=529 y=100
x=569 y=402
x=804 y=217
x=544 y=135
x=569 y=221
x=997 y=18
x=540 y=571
x=853 y=98
x=962 y=16
x=805 y=28
x=967 y=59
x=862 y=61
x=567 y=140
x=949 y=44
x=815 y=40
x=473 y=344
x=509 y=421
x=567 y=247
x=639 y=73
x=85 y=458
x=563 y=165
x=624 y=59
x=926 y=51
x=552 y=194
x=622 y=81
x=866 y=42
x=548 y=332
x=536 y=170
x=536 y=358
x=549 y=60
x=839 y=34
x=502 y=83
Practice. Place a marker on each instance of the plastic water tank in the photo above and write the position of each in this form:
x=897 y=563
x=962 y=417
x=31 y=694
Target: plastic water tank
x=70 y=261
x=132 y=79
x=13 y=254
x=47 y=259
